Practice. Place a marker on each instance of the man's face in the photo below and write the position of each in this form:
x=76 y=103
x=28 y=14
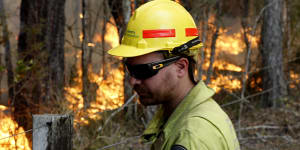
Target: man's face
x=158 y=88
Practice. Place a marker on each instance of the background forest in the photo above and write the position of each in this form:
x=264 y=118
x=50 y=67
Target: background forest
x=53 y=60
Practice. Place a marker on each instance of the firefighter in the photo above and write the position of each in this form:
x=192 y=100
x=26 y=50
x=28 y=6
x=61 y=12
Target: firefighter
x=161 y=45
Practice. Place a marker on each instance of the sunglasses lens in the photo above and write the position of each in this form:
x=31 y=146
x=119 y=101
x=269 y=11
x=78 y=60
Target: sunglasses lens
x=142 y=71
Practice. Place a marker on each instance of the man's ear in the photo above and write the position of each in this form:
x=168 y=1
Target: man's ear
x=182 y=67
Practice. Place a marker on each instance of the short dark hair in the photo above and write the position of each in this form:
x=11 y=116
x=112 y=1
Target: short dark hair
x=191 y=67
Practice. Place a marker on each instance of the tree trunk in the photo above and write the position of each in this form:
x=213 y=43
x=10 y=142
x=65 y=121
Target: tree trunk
x=271 y=51
x=55 y=39
x=40 y=67
x=121 y=11
x=52 y=132
x=204 y=37
x=214 y=42
x=244 y=23
x=84 y=61
x=90 y=27
x=201 y=10
x=8 y=61
x=105 y=20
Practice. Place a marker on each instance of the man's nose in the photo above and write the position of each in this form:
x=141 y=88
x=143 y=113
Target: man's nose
x=133 y=81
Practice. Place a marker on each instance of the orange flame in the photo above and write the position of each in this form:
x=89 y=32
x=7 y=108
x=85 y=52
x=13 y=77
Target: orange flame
x=111 y=35
x=295 y=77
x=230 y=56
x=109 y=91
x=233 y=43
x=109 y=94
x=178 y=1
x=9 y=127
x=227 y=82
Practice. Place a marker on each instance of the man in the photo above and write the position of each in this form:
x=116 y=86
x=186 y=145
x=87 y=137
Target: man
x=160 y=46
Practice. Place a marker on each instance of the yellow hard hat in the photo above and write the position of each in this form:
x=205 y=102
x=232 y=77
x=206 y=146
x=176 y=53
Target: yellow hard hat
x=157 y=25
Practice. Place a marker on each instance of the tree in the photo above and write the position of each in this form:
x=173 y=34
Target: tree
x=90 y=21
x=84 y=58
x=40 y=67
x=121 y=12
x=8 y=61
x=214 y=41
x=271 y=50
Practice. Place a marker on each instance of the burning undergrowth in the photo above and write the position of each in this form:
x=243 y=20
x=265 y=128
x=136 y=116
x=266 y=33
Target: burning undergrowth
x=10 y=127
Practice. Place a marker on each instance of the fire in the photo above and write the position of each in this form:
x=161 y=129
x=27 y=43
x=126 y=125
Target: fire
x=230 y=57
x=111 y=35
x=254 y=82
x=108 y=92
x=233 y=43
x=295 y=77
x=178 y=1
x=9 y=127
x=222 y=65
x=97 y=38
x=81 y=37
x=91 y=45
x=228 y=82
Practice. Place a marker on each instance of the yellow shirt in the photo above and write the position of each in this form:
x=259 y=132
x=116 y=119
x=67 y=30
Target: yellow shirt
x=198 y=123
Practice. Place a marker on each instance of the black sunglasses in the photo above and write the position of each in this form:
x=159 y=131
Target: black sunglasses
x=144 y=71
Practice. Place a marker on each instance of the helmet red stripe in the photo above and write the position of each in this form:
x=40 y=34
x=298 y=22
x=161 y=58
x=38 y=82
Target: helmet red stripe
x=191 y=32
x=158 y=33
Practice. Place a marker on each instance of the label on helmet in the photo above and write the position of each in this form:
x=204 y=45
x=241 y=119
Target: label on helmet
x=131 y=33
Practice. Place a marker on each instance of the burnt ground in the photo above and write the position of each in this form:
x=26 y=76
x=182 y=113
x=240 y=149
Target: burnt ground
x=271 y=129
x=268 y=128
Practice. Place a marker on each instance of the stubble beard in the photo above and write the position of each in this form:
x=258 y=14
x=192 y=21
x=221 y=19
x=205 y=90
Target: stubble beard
x=145 y=96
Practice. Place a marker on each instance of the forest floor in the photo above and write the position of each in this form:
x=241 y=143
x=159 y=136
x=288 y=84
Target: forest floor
x=269 y=128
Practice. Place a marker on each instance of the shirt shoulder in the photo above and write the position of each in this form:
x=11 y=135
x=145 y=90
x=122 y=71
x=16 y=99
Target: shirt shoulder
x=186 y=140
x=197 y=133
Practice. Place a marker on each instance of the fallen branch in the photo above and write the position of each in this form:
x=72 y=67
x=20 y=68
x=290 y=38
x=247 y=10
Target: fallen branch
x=285 y=137
x=259 y=127
x=117 y=111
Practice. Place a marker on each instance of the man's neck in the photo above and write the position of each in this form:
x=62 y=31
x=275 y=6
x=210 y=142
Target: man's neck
x=179 y=95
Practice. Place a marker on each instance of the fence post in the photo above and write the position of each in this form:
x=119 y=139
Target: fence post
x=52 y=132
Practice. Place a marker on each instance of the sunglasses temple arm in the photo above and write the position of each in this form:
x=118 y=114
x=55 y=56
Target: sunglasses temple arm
x=170 y=61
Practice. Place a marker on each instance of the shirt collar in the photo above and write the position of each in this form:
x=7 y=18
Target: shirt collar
x=199 y=94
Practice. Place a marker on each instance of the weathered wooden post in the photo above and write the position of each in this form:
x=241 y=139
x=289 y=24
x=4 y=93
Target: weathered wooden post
x=52 y=132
